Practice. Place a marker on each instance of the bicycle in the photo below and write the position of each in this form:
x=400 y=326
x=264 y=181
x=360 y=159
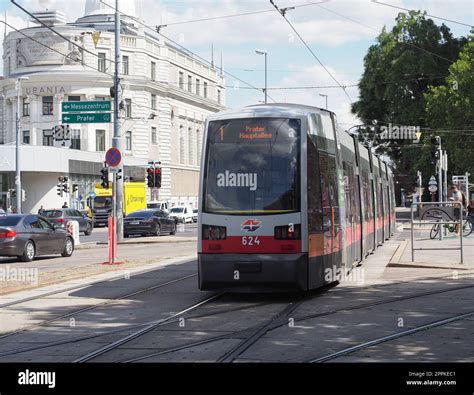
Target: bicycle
x=466 y=228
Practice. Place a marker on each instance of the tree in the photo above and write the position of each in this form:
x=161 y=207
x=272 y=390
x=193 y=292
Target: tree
x=403 y=65
x=450 y=111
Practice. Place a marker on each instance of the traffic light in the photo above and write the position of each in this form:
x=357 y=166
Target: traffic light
x=105 y=177
x=435 y=149
x=118 y=176
x=65 y=188
x=157 y=177
x=59 y=189
x=75 y=187
x=150 y=177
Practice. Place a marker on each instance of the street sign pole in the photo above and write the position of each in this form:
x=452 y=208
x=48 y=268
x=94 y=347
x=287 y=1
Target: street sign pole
x=117 y=139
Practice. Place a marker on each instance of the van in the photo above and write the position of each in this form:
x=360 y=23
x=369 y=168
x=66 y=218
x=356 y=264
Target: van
x=164 y=206
x=182 y=214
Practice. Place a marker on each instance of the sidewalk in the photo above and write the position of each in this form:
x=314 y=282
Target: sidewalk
x=447 y=257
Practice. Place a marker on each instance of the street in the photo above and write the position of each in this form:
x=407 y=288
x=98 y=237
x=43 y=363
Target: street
x=409 y=308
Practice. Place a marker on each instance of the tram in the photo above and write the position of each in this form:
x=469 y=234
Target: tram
x=287 y=200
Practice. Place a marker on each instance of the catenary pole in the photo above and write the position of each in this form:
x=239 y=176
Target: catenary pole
x=117 y=141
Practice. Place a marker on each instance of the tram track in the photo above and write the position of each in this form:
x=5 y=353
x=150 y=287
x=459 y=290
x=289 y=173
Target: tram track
x=95 y=306
x=107 y=333
x=76 y=287
x=252 y=335
x=391 y=337
x=148 y=328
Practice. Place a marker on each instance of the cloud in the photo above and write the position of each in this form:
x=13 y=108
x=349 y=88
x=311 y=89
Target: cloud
x=338 y=102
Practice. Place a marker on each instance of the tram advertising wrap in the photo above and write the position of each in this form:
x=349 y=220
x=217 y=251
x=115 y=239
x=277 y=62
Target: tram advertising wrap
x=271 y=214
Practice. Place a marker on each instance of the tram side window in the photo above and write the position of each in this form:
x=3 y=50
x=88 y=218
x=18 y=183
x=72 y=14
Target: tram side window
x=329 y=195
x=367 y=195
x=351 y=194
x=314 y=190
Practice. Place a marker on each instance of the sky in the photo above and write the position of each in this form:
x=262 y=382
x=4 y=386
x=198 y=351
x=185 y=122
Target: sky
x=339 y=32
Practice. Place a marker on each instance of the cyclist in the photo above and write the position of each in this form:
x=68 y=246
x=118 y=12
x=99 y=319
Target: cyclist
x=457 y=197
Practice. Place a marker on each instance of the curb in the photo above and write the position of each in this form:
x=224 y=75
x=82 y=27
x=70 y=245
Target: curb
x=149 y=242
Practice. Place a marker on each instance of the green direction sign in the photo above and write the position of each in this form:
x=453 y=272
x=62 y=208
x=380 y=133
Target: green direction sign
x=86 y=106
x=87 y=118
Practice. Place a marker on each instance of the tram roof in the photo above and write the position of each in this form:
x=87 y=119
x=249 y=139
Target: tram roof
x=270 y=110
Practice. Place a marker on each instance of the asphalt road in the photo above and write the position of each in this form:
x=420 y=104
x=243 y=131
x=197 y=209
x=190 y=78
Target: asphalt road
x=100 y=234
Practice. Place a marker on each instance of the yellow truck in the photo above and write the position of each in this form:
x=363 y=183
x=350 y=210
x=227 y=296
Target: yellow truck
x=100 y=202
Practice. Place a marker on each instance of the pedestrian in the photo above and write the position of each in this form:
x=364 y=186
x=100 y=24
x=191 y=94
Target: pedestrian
x=457 y=197
x=65 y=205
x=41 y=210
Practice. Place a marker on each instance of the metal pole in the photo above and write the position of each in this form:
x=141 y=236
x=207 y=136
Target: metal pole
x=461 y=231
x=412 y=236
x=440 y=182
x=445 y=175
x=117 y=139
x=17 y=149
x=266 y=91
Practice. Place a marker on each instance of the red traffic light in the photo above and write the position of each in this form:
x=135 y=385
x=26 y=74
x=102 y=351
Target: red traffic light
x=149 y=170
x=157 y=171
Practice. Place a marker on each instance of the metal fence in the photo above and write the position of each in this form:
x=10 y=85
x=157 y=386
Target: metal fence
x=437 y=213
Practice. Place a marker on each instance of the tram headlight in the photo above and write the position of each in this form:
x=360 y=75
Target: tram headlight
x=211 y=232
x=288 y=232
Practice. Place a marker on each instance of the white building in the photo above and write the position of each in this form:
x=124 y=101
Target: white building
x=166 y=96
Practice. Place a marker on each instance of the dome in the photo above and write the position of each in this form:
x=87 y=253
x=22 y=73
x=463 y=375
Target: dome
x=97 y=7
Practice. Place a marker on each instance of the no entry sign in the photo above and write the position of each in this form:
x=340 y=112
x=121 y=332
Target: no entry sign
x=113 y=157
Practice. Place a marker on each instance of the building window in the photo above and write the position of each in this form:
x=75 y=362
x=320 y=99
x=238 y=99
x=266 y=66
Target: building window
x=198 y=146
x=190 y=147
x=128 y=141
x=181 y=80
x=182 y=145
x=26 y=107
x=47 y=105
x=26 y=137
x=128 y=108
x=125 y=69
x=190 y=83
x=9 y=65
x=153 y=101
x=205 y=90
x=153 y=71
x=76 y=139
x=74 y=98
x=219 y=98
x=101 y=62
x=100 y=140
x=48 y=140
x=154 y=135
x=198 y=86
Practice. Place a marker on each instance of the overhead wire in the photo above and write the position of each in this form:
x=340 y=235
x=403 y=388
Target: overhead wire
x=154 y=30
x=282 y=12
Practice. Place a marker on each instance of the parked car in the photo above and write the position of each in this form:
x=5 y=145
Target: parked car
x=183 y=214
x=61 y=216
x=27 y=236
x=195 y=215
x=149 y=221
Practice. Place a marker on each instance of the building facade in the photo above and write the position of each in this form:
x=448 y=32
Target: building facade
x=166 y=94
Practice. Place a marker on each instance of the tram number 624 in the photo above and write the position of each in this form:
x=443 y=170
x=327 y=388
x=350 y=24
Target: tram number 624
x=250 y=240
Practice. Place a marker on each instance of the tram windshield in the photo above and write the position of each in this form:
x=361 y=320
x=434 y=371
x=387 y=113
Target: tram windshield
x=252 y=166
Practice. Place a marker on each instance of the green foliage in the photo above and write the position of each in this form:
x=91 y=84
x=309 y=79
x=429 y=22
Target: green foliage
x=450 y=111
x=405 y=63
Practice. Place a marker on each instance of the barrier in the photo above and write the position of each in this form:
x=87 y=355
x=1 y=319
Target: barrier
x=437 y=213
x=72 y=228
x=112 y=240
